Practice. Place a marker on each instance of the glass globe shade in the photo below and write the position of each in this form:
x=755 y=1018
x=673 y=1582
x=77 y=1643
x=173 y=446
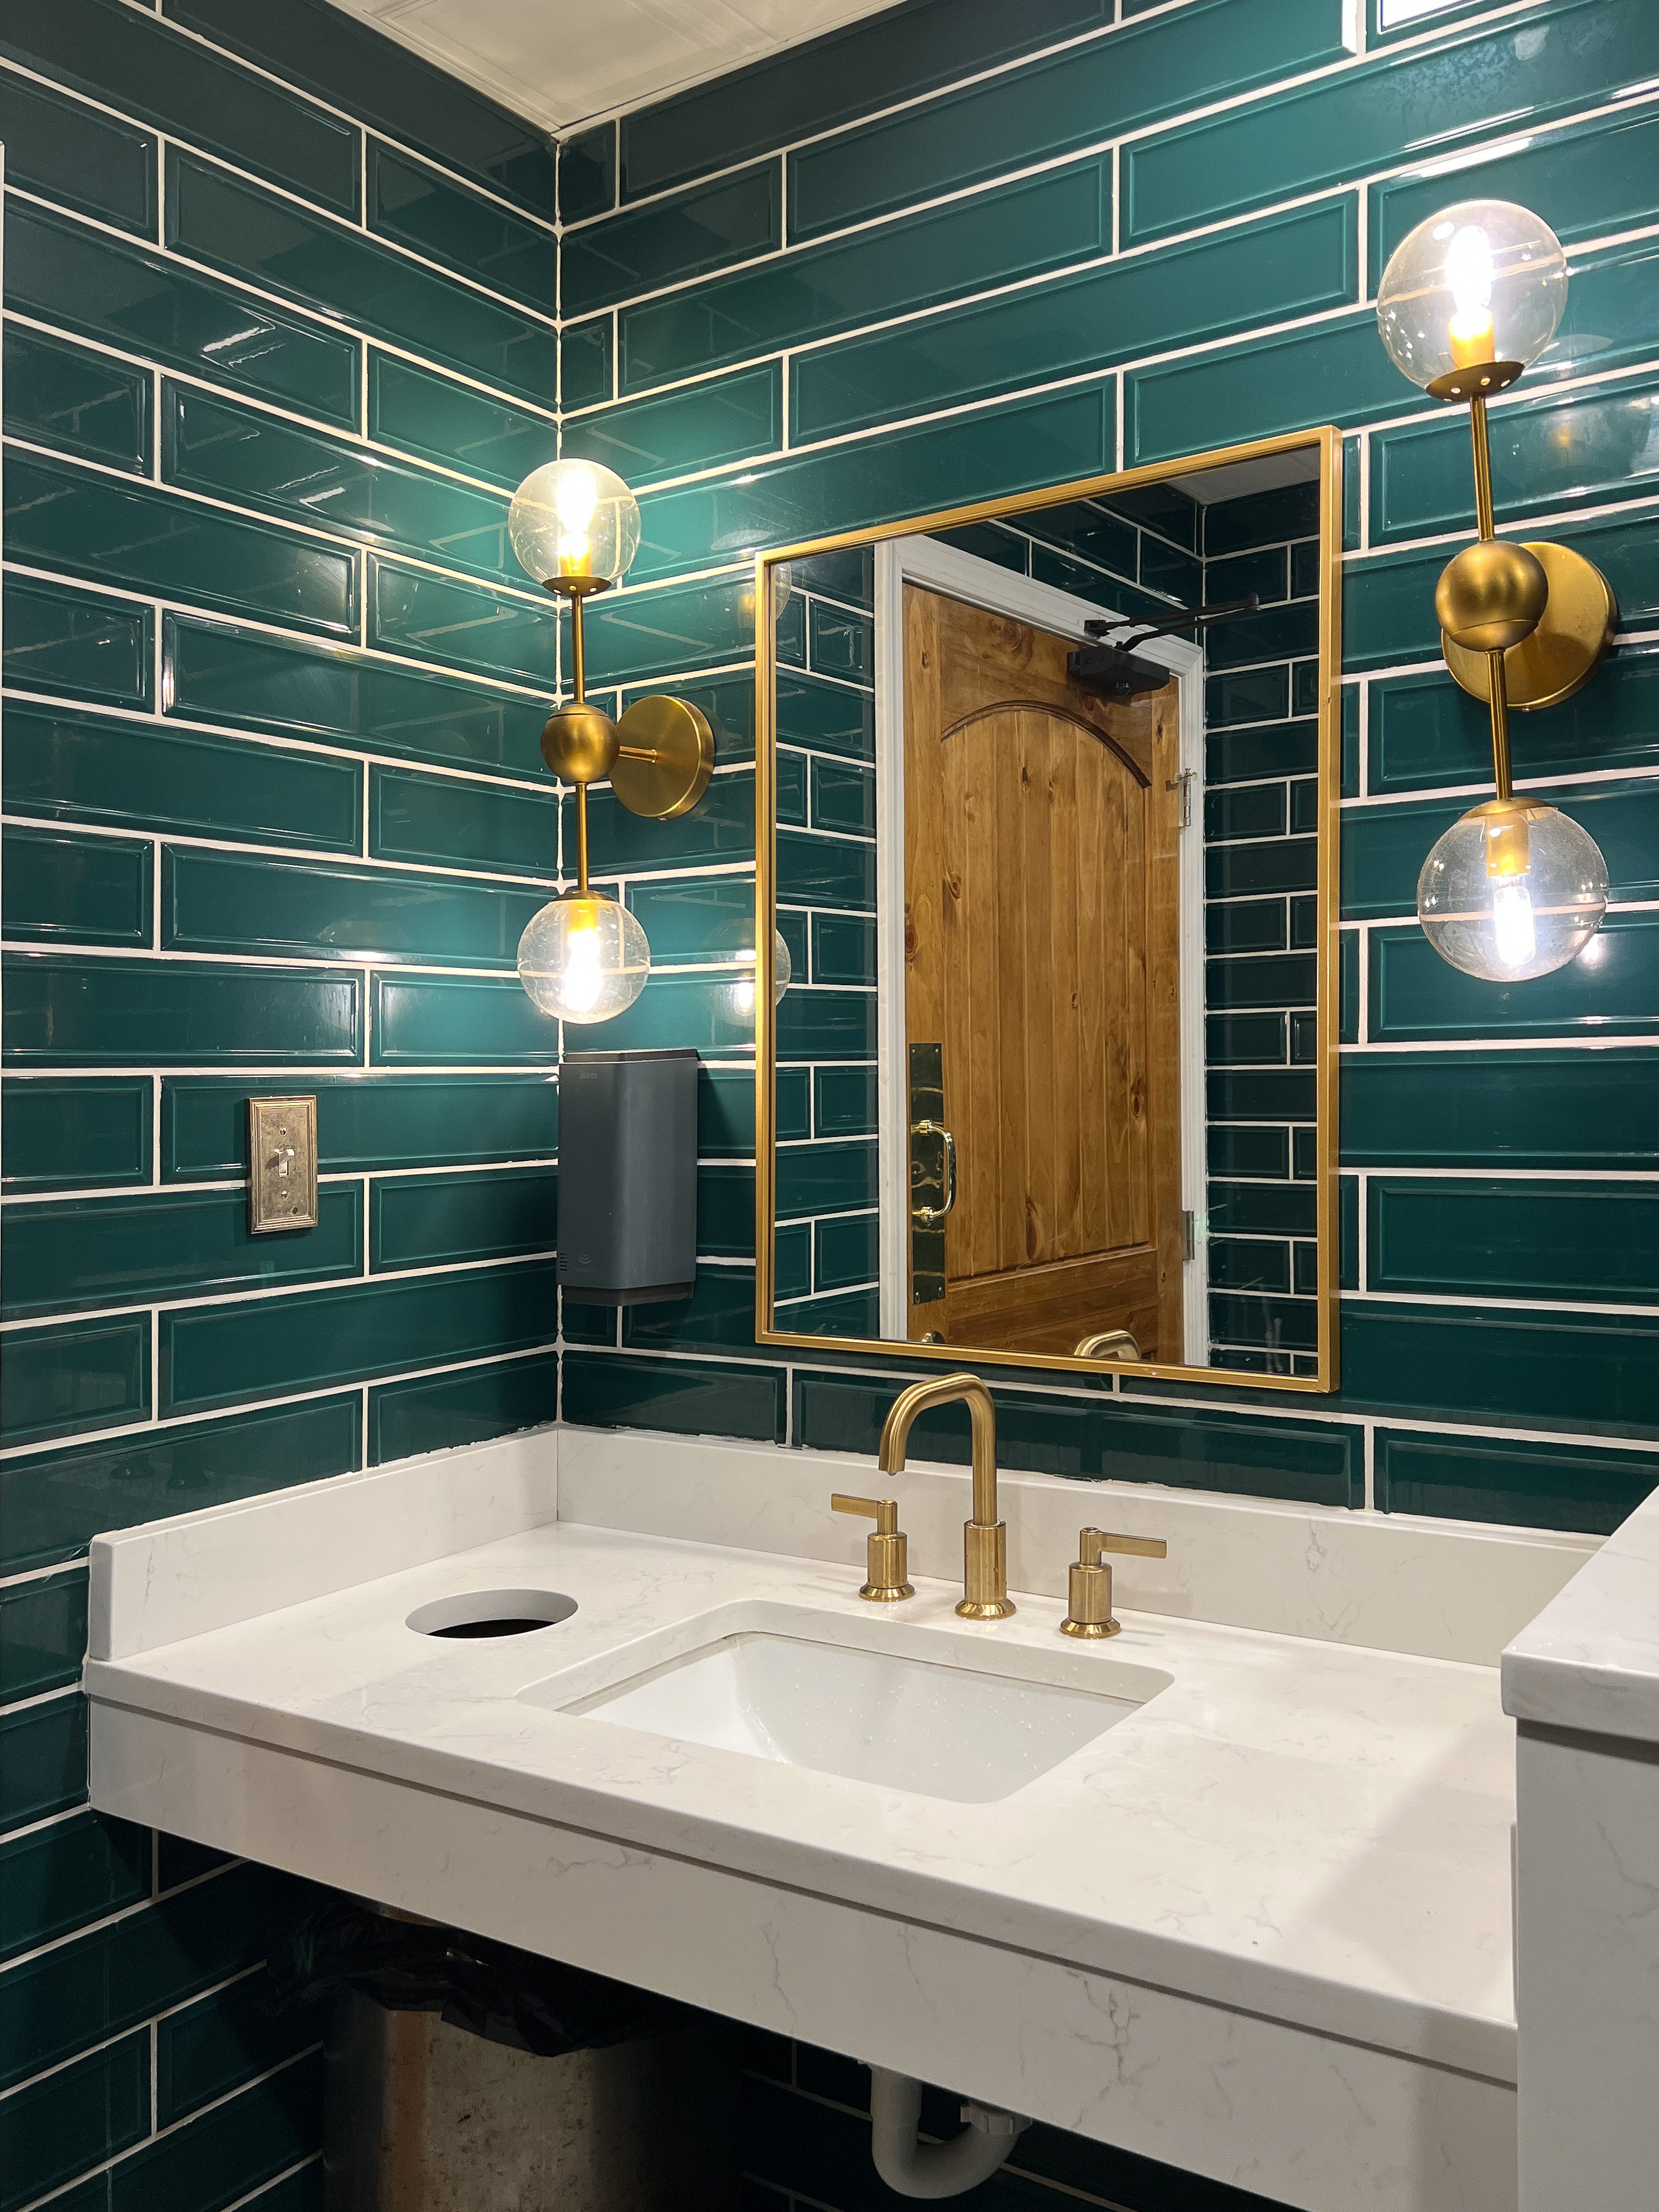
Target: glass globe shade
x=574 y=519
x=1483 y=281
x=740 y=993
x=1511 y=891
x=584 y=959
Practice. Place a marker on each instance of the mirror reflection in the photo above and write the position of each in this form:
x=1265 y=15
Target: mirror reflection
x=1048 y=792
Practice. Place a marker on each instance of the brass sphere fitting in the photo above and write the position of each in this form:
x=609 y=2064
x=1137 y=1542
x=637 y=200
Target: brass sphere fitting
x=579 y=742
x=1492 y=595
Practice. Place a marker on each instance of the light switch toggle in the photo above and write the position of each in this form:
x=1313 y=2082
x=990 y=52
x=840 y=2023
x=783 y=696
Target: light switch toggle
x=281 y=1150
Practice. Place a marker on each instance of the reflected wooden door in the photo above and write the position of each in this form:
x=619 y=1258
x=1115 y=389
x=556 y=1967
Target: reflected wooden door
x=1041 y=952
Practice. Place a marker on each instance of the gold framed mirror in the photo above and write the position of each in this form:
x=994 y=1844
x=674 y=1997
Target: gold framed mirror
x=1046 y=796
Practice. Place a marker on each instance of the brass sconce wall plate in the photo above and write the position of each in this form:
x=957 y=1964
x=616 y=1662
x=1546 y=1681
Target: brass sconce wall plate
x=1579 y=624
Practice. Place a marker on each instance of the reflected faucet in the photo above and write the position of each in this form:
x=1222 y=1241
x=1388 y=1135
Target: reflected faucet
x=1108 y=1344
x=985 y=1538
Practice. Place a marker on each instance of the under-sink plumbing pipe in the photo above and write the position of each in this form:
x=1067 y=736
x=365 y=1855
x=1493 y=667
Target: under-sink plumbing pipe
x=943 y=2169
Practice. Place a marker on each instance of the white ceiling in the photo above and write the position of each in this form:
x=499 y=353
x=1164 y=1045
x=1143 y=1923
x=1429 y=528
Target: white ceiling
x=560 y=63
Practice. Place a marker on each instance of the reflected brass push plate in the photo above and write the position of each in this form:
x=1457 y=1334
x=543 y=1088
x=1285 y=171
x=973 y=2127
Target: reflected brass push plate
x=282 y=1154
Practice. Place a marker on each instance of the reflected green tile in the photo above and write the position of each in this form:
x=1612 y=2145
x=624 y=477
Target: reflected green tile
x=60 y=1877
x=725 y=1213
x=216 y=218
x=1267 y=575
x=1554 y=1109
x=64 y=517
x=1246 y=925
x=1282 y=864
x=76 y=644
x=680 y=1397
x=855 y=1313
x=843 y=799
x=830 y=715
x=79 y=2116
x=1249 y=1153
x=843 y=949
x=426 y=414
x=1529 y=1485
x=442 y=1411
x=56 y=1502
x=83 y=279
x=792 y=1263
x=689 y=234
x=720 y=827
x=814 y=871
x=60 y=888
x=1044 y=222
x=1241 y=754
x=74 y=1374
x=1414 y=994
x=43 y=1639
x=119 y=1251
x=824 y=1178
x=1247 y=1264
x=149 y=71
x=1472 y=1238
x=1079 y=95
x=1383 y=849
x=588 y=174
x=71 y=153
x=848 y=576
x=464 y=625
x=1349 y=951
x=437 y=218
x=59 y=1132
x=1294 y=143
x=238 y=2145
x=435 y=1221
x=367 y=1122
x=156 y=1013
x=1251 y=695
x=1261 y=1095
x=1278 y=1326
x=62 y=395
x=1167 y=569
x=1276 y=633
x=1266 y=980
x=1260 y=809
x=215 y=673
x=213 y=1356
x=840 y=644
x=1241 y=1039
x=1263 y=1209
x=85 y=768
x=1600 y=1376
x=437 y=1021
x=827 y=1025
x=704 y=918
x=845 y=1252
x=729 y=418
x=466 y=825
x=719 y=1314
x=213 y=446
x=586 y=368
x=1292 y=266
x=843 y=1102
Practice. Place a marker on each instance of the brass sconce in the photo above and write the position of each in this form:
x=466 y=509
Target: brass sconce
x=575 y=527
x=1468 y=303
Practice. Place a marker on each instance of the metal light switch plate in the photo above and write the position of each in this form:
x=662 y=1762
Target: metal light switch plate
x=282 y=1153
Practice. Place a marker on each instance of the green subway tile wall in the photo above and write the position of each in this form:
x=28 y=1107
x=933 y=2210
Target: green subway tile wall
x=273 y=690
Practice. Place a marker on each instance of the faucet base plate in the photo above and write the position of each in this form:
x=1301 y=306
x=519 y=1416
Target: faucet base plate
x=887 y=1593
x=985 y=1608
x=1090 y=1629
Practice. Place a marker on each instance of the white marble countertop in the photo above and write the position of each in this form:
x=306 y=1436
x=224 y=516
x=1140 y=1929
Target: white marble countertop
x=1299 y=1829
x=1590 y=1659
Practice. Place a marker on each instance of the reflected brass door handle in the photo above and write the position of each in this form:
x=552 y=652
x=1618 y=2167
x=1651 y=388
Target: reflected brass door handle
x=929 y=1217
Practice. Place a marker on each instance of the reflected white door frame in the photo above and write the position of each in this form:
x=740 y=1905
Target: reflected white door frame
x=925 y=561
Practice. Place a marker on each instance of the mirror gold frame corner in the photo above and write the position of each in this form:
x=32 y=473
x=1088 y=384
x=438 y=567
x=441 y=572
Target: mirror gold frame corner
x=1328 y=440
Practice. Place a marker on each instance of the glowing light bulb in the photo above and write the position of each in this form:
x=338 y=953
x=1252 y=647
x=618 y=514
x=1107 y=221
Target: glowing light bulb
x=574 y=501
x=1515 y=933
x=583 y=979
x=1513 y=890
x=584 y=959
x=574 y=519
x=1482 y=281
x=1468 y=277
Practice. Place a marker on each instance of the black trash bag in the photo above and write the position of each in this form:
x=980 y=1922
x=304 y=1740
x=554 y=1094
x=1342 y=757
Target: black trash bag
x=491 y=1990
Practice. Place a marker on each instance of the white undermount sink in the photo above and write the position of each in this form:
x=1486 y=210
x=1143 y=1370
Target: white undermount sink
x=897 y=1718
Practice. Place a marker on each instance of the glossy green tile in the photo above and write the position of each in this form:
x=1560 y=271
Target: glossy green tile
x=827 y=1025
x=62 y=395
x=120 y=1251
x=79 y=2116
x=465 y=825
x=1424 y=732
x=439 y=1413
x=164 y=1013
x=57 y=1501
x=588 y=174
x=75 y=1374
x=85 y=281
x=458 y=1021
x=367 y=1122
x=185 y=88
x=1262 y=1209
x=825 y=871
x=720 y=1315
x=843 y=949
x=1445 y=94
x=1261 y=1095
x=1286 y=864
x=43 y=1640
x=64 y=1875
x=352 y=65
x=213 y=1356
x=1384 y=848
x=845 y=1252
x=1077 y=97
x=1473 y=1238
x=1044 y=222
x=230 y=453
x=58 y=1133
x=1336 y=371
x=1534 y=1486
x=1544 y=1109
x=1415 y=996
x=205 y=2050
x=725 y=1213
x=735 y=219
x=843 y=799
x=792 y=1264
x=76 y=644
x=832 y=716
x=1246 y=925
x=1243 y=1264
x=1260 y=810
x=85 y=768
x=225 y=902
x=1280 y=633
x=728 y=418
x=1476 y=1363
x=1240 y=755
x=702 y=918
x=426 y=414
x=215 y=673
x=726 y=1113
x=1275 y=1327
x=60 y=888
x=840 y=644
x=587 y=362
x=1242 y=1039
x=1007 y=448
x=1263 y=980
x=1266 y=574
x=1292 y=266
x=482 y=239
x=69 y=153
x=685 y=1398
x=826 y=1178
x=62 y=517
x=721 y=826
x=1260 y=1152
x=430 y=1221
x=843 y=1102
x=233 y=2147
x=464 y=625
x=682 y=1010
x=215 y=218
x=1252 y=694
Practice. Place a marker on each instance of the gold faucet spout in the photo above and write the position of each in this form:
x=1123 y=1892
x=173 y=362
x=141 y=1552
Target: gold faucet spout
x=985 y=1540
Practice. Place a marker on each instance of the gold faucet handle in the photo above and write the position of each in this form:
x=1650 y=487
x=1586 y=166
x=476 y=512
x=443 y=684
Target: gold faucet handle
x=886 y=1550
x=1088 y=1584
